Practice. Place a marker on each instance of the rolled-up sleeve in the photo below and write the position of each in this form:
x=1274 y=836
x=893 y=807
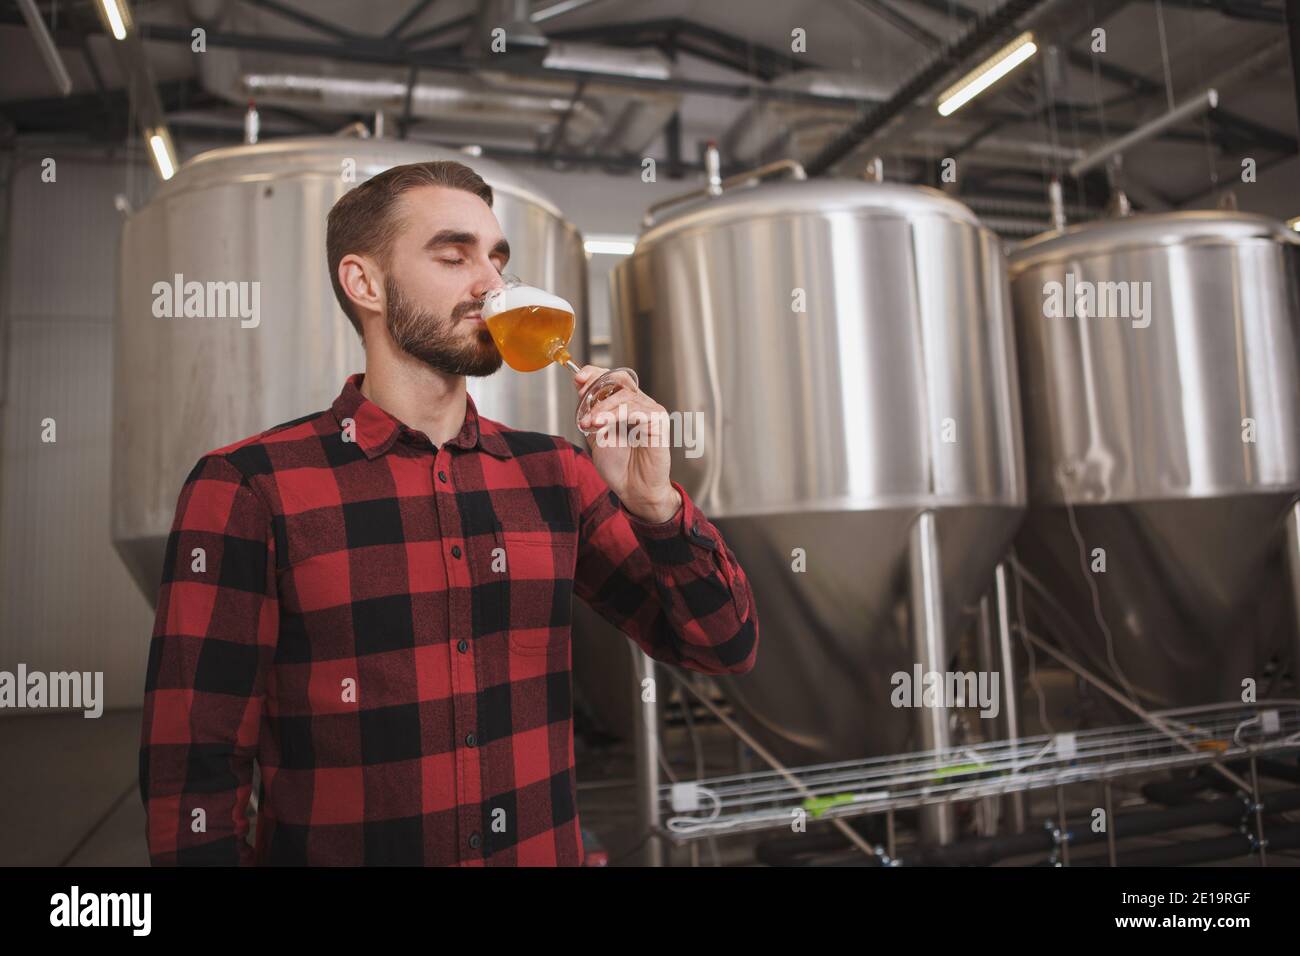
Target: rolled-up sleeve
x=674 y=588
x=213 y=641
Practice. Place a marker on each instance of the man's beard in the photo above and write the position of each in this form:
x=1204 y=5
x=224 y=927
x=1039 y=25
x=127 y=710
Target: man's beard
x=437 y=343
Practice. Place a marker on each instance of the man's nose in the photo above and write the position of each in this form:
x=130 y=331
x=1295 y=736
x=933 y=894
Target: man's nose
x=488 y=282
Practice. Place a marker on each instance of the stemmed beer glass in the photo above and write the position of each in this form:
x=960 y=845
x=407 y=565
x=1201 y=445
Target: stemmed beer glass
x=532 y=329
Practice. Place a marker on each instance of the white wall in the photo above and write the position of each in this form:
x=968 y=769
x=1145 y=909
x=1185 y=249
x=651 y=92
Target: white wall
x=66 y=600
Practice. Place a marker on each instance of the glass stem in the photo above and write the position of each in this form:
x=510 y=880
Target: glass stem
x=560 y=354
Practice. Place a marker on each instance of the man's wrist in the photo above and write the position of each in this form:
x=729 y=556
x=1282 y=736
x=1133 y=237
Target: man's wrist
x=658 y=511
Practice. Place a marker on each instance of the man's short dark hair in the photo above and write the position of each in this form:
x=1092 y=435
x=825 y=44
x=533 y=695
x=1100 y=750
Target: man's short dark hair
x=364 y=220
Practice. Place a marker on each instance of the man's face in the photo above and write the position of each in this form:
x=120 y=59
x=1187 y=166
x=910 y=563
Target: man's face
x=448 y=254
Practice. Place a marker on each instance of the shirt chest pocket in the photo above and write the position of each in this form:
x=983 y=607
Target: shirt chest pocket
x=528 y=589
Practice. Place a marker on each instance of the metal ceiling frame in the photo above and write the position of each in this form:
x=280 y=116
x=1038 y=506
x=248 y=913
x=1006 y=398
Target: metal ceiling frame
x=1236 y=9
x=397 y=47
x=1293 y=40
x=1230 y=132
x=413 y=13
x=1225 y=121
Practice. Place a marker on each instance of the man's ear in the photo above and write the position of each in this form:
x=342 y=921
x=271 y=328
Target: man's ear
x=359 y=276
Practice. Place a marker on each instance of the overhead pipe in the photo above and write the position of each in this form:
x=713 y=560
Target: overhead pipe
x=739 y=139
x=1239 y=75
x=45 y=43
x=602 y=115
x=559 y=9
x=437 y=61
x=1194 y=107
x=605 y=117
x=427 y=100
x=992 y=145
x=600 y=61
x=514 y=19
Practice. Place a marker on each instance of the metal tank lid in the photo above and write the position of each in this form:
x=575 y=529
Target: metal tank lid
x=276 y=158
x=1146 y=230
x=804 y=197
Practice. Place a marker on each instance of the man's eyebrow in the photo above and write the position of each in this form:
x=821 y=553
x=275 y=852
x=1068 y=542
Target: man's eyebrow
x=457 y=237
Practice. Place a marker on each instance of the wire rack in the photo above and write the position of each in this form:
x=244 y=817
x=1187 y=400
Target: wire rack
x=771 y=800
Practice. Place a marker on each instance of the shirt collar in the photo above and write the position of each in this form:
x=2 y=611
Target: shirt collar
x=375 y=430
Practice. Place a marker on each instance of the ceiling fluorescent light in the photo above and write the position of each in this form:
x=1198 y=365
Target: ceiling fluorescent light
x=987 y=73
x=162 y=151
x=118 y=17
x=610 y=245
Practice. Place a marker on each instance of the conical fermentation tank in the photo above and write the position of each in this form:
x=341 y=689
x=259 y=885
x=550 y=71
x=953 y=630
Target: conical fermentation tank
x=1160 y=376
x=257 y=214
x=846 y=348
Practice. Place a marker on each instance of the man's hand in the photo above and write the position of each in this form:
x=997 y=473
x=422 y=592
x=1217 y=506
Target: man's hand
x=630 y=447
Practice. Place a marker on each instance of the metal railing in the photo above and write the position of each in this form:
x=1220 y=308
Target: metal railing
x=751 y=802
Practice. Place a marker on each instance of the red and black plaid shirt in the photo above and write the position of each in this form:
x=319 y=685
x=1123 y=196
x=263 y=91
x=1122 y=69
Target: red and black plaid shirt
x=384 y=625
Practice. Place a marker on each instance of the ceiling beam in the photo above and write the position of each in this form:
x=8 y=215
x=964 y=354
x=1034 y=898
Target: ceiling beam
x=416 y=10
x=304 y=19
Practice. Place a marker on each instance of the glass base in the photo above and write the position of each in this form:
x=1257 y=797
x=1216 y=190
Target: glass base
x=599 y=390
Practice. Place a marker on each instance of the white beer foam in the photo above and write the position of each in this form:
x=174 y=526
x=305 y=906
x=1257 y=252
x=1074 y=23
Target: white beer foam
x=522 y=296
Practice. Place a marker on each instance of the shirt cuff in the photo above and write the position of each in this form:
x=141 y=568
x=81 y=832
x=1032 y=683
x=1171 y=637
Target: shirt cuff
x=680 y=539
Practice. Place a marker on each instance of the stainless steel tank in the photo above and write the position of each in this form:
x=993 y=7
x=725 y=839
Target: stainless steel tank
x=1163 y=439
x=183 y=386
x=849 y=347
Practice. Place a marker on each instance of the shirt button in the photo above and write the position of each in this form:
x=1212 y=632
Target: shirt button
x=471 y=740
x=462 y=645
x=442 y=476
x=695 y=527
x=455 y=551
x=475 y=840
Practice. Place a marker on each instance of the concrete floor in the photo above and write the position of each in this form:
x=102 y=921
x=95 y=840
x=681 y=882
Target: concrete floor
x=69 y=794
